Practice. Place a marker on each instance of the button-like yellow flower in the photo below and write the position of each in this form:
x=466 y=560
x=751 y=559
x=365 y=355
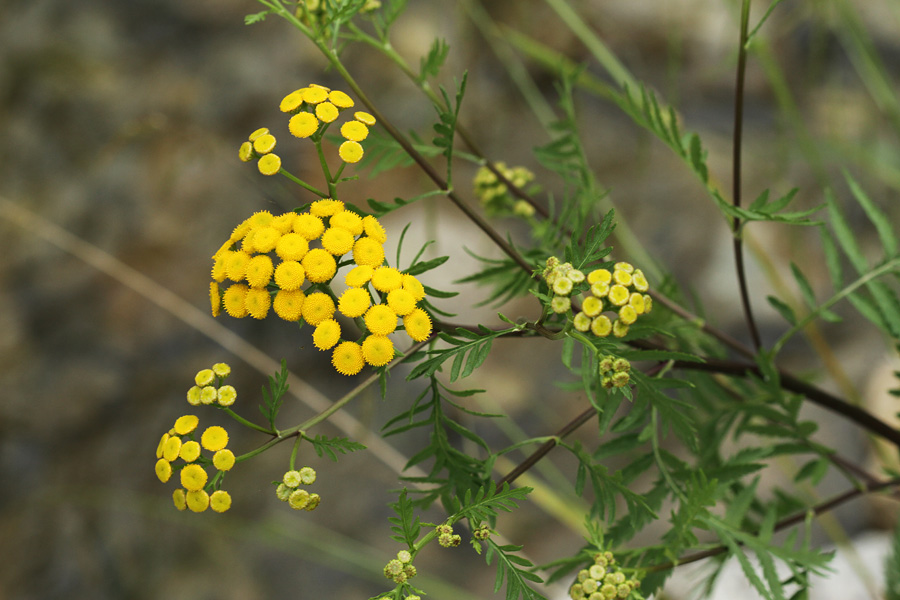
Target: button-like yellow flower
x=309 y=226
x=186 y=424
x=374 y=229
x=172 y=448
x=190 y=451
x=386 y=279
x=270 y=164
x=349 y=220
x=292 y=101
x=599 y=276
x=639 y=281
x=197 y=500
x=193 y=477
x=303 y=125
x=317 y=307
x=340 y=99
x=307 y=475
x=223 y=460
x=258 y=302
x=292 y=246
x=401 y=302
x=289 y=304
x=265 y=239
x=354 y=302
x=378 y=350
x=236 y=265
x=592 y=306
x=618 y=294
x=289 y=275
x=350 y=151
x=359 y=276
x=367 y=251
x=178 y=498
x=337 y=241
x=315 y=94
x=222 y=370
x=259 y=132
x=326 y=112
x=380 y=319
x=220 y=501
x=326 y=207
x=601 y=326
x=227 y=395
x=259 y=271
x=264 y=143
x=320 y=266
x=620 y=328
x=298 y=499
x=347 y=359
x=245 y=152
x=193 y=395
x=214 y=438
x=582 y=322
x=418 y=325
x=364 y=118
x=234 y=300
x=326 y=334
x=215 y=299
x=163 y=470
x=413 y=286
x=354 y=131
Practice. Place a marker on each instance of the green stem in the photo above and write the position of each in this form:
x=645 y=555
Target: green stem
x=303 y=184
x=247 y=423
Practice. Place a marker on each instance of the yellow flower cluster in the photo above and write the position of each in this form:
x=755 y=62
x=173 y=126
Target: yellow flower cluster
x=209 y=388
x=289 y=489
x=622 y=290
x=400 y=569
x=246 y=260
x=602 y=581
x=179 y=444
x=315 y=107
x=260 y=145
x=494 y=194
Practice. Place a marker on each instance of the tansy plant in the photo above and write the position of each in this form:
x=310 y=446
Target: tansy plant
x=675 y=421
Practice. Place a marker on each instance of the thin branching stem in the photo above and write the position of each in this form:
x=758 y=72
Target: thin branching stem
x=736 y=173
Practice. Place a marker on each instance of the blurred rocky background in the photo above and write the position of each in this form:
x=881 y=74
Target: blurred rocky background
x=121 y=123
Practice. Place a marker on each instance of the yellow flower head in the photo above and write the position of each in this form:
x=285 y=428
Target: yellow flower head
x=215 y=299
x=214 y=438
x=292 y=246
x=163 y=470
x=337 y=241
x=223 y=460
x=307 y=475
x=359 y=276
x=193 y=477
x=354 y=131
x=618 y=294
x=292 y=101
x=240 y=231
x=309 y=226
x=627 y=314
x=582 y=322
x=354 y=302
x=284 y=223
x=624 y=266
x=600 y=289
x=288 y=304
x=270 y=164
x=622 y=277
x=245 y=152
x=562 y=286
x=639 y=281
x=349 y=220
x=197 y=500
x=636 y=301
x=326 y=207
x=236 y=265
x=264 y=143
x=259 y=271
x=367 y=251
x=314 y=500
x=226 y=395
x=162 y=444
x=190 y=451
x=620 y=328
x=289 y=275
x=378 y=350
x=326 y=112
x=317 y=307
x=648 y=303
x=266 y=238
x=234 y=300
x=592 y=306
x=401 y=302
x=303 y=125
x=208 y=394
x=413 y=286
x=380 y=319
x=315 y=94
x=222 y=370
x=364 y=118
x=186 y=424
x=259 y=132
x=327 y=334
x=219 y=273
x=193 y=395
x=320 y=266
x=599 y=276
x=220 y=501
x=561 y=304
x=340 y=99
x=374 y=229
x=262 y=218
x=178 y=498
x=601 y=326
x=418 y=325
x=350 y=151
x=387 y=279
x=298 y=499
x=171 y=448
x=204 y=377
x=258 y=302
x=347 y=358
x=291 y=478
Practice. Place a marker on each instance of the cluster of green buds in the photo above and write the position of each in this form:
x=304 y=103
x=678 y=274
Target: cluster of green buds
x=622 y=291
x=494 y=194
x=614 y=372
x=482 y=532
x=289 y=490
x=602 y=581
x=400 y=569
x=446 y=537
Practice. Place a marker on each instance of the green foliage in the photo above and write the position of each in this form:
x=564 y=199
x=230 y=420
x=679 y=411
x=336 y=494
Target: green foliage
x=406 y=525
x=432 y=62
x=274 y=396
x=335 y=445
x=446 y=127
x=892 y=568
x=510 y=569
x=468 y=349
